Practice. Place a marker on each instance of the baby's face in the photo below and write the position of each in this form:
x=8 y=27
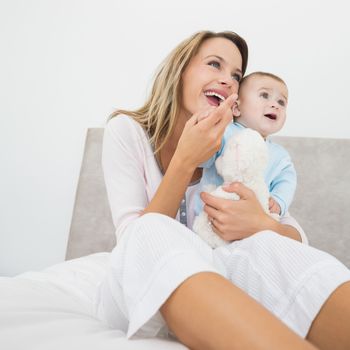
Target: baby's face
x=263 y=103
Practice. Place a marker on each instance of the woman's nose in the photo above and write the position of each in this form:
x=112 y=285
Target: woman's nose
x=226 y=80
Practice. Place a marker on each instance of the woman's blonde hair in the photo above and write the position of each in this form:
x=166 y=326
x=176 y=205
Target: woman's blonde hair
x=158 y=115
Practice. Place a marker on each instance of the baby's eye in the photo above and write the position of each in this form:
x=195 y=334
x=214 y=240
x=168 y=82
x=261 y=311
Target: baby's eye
x=264 y=95
x=214 y=64
x=237 y=77
x=281 y=103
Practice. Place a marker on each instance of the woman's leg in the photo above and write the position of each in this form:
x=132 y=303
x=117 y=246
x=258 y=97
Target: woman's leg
x=208 y=312
x=291 y=280
x=331 y=328
x=161 y=265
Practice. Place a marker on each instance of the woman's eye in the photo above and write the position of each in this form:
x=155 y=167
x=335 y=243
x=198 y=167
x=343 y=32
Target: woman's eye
x=264 y=95
x=214 y=64
x=281 y=103
x=237 y=77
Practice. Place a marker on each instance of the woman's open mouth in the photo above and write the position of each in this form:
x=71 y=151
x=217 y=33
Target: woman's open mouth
x=214 y=98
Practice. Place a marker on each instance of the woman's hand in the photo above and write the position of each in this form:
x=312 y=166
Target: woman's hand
x=202 y=134
x=233 y=220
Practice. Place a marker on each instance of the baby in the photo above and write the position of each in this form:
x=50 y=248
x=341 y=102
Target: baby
x=262 y=104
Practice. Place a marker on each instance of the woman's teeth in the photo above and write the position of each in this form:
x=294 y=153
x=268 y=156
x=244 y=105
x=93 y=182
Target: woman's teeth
x=215 y=94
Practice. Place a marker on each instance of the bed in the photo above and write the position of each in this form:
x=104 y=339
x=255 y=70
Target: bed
x=54 y=308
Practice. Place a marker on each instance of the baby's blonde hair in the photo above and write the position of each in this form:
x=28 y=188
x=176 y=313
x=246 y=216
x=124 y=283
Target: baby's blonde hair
x=260 y=74
x=158 y=115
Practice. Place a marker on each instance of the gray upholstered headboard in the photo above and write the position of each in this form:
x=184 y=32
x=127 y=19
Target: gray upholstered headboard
x=321 y=205
x=91 y=228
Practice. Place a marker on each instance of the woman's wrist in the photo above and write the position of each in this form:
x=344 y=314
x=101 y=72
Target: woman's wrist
x=183 y=164
x=171 y=189
x=266 y=223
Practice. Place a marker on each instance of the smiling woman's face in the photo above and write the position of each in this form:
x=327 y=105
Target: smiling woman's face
x=212 y=75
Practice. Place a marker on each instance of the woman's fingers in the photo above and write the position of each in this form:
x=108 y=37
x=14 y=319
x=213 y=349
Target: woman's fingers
x=202 y=134
x=199 y=116
x=219 y=203
x=212 y=213
x=211 y=201
x=218 y=226
x=235 y=219
x=215 y=226
x=237 y=187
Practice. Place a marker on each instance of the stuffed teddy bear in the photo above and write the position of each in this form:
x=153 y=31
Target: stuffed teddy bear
x=244 y=159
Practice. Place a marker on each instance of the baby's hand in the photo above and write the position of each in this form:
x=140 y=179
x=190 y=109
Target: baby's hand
x=274 y=207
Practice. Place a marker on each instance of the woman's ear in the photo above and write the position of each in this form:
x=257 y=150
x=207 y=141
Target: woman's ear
x=235 y=109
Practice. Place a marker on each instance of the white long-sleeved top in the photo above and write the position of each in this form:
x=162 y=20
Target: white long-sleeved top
x=132 y=175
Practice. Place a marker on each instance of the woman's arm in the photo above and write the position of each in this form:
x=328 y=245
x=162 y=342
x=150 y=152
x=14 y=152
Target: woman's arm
x=198 y=142
x=124 y=156
x=239 y=219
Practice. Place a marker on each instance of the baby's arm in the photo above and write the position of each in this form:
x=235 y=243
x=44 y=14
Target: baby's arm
x=283 y=184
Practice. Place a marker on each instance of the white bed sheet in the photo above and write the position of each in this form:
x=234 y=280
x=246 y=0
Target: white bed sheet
x=53 y=309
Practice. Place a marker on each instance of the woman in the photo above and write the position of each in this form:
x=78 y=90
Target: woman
x=164 y=277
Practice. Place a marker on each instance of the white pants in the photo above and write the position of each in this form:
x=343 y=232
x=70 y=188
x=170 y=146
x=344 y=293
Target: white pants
x=156 y=254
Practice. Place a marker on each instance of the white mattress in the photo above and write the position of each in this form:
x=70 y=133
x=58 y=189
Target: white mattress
x=53 y=309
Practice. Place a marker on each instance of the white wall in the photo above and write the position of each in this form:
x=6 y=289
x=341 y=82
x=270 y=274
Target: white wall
x=66 y=64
